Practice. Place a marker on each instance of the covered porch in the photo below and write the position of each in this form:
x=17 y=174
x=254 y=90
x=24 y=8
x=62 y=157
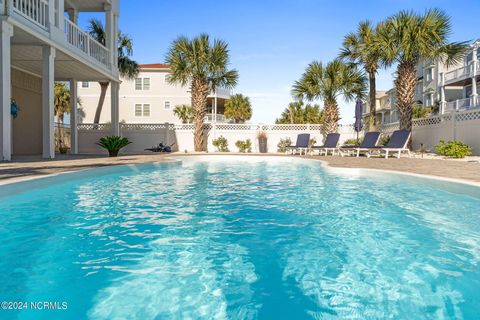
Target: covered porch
x=35 y=54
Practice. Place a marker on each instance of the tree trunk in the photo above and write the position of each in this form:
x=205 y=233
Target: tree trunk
x=331 y=116
x=200 y=91
x=373 y=101
x=103 y=93
x=405 y=84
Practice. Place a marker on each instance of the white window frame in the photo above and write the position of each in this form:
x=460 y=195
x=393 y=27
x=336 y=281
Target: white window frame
x=145 y=85
x=165 y=105
x=85 y=84
x=429 y=74
x=138 y=84
x=145 y=110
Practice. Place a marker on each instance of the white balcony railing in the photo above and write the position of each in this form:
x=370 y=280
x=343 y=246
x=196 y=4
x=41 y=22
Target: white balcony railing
x=35 y=11
x=220 y=118
x=83 y=41
x=458 y=74
x=462 y=104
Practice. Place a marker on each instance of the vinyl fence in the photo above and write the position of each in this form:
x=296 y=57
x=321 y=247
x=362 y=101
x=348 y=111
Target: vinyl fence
x=181 y=135
x=463 y=126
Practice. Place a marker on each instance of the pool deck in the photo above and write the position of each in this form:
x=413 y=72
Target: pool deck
x=26 y=168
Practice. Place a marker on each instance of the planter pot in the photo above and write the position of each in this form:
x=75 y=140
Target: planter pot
x=262 y=145
x=113 y=153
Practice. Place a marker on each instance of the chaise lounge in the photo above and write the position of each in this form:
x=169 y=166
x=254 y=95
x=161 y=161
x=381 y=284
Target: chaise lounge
x=301 y=144
x=331 y=144
x=369 y=141
x=398 y=143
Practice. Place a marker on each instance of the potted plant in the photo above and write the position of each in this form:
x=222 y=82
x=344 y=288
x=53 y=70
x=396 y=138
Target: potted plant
x=113 y=144
x=262 y=142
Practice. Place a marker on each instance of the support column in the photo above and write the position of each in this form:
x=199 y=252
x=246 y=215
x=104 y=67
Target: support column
x=51 y=14
x=59 y=19
x=474 y=95
x=442 y=94
x=73 y=15
x=110 y=34
x=115 y=99
x=6 y=32
x=73 y=116
x=48 y=77
x=215 y=108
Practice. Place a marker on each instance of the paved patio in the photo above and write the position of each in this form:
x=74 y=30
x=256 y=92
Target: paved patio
x=26 y=168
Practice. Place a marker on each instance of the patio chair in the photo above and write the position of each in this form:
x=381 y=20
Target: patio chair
x=331 y=144
x=398 y=143
x=369 y=141
x=301 y=144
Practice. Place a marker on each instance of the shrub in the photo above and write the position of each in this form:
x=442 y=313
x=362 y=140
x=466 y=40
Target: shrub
x=221 y=144
x=456 y=149
x=352 y=142
x=244 y=146
x=113 y=144
x=384 y=139
x=311 y=142
x=283 y=144
x=420 y=111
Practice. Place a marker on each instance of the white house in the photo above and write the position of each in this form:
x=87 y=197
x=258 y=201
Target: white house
x=40 y=45
x=148 y=99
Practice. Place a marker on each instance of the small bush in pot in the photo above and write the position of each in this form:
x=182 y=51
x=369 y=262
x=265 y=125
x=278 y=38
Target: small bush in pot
x=244 y=146
x=113 y=144
x=221 y=144
x=262 y=141
x=455 y=149
x=283 y=144
x=352 y=142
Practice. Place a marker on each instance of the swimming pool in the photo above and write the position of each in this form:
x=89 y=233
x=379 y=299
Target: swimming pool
x=240 y=238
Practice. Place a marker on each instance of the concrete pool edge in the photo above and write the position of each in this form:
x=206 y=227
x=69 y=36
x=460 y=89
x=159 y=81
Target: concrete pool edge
x=176 y=157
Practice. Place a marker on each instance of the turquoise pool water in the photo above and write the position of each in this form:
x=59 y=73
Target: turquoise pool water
x=240 y=238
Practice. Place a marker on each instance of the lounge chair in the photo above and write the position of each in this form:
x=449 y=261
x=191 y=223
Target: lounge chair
x=301 y=144
x=369 y=141
x=331 y=144
x=398 y=143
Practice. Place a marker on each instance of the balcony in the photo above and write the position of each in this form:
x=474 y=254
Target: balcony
x=462 y=73
x=46 y=19
x=462 y=104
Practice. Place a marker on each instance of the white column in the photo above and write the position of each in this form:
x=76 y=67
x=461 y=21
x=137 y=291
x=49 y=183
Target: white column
x=59 y=20
x=474 y=78
x=51 y=14
x=215 y=108
x=442 y=93
x=73 y=116
x=115 y=98
x=110 y=33
x=48 y=80
x=6 y=32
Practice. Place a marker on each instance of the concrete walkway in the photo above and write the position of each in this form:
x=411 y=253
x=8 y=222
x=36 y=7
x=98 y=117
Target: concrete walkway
x=25 y=168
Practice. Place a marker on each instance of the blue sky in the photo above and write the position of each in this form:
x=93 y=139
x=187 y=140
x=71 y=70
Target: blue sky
x=272 y=41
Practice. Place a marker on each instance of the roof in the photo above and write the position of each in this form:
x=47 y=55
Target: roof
x=154 y=66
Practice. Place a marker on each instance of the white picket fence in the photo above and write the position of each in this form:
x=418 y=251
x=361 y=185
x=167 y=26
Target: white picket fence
x=463 y=126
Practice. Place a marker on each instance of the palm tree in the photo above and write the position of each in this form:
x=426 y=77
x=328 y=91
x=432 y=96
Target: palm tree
x=328 y=83
x=127 y=67
x=203 y=66
x=363 y=47
x=238 y=108
x=296 y=113
x=184 y=112
x=407 y=39
x=61 y=106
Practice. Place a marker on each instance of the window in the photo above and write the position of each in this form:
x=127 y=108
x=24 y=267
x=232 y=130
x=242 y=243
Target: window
x=142 y=110
x=138 y=110
x=138 y=84
x=142 y=84
x=167 y=105
x=146 y=83
x=429 y=74
x=85 y=84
